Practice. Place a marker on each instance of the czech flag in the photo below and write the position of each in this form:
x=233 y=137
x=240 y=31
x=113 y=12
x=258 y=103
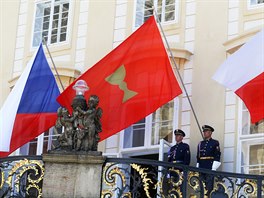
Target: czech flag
x=31 y=107
x=243 y=72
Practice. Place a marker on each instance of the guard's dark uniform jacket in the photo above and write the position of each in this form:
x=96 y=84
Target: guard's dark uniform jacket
x=207 y=152
x=179 y=153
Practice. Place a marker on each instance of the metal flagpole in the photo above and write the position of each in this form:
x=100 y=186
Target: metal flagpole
x=45 y=43
x=178 y=72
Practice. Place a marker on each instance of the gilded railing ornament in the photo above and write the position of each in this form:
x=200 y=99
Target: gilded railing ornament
x=195 y=182
x=144 y=176
x=20 y=172
x=82 y=127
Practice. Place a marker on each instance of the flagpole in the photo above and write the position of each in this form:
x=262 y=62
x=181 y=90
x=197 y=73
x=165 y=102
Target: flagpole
x=45 y=43
x=178 y=72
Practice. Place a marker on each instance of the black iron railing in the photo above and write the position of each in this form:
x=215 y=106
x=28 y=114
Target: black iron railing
x=147 y=178
x=22 y=176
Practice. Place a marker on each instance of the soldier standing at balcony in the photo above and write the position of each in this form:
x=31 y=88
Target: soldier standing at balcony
x=180 y=152
x=208 y=155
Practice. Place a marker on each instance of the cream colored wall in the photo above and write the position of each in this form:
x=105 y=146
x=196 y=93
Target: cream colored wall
x=208 y=96
x=8 y=27
x=100 y=30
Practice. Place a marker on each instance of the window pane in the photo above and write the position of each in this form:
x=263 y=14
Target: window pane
x=170 y=8
x=56 y=9
x=63 y=37
x=253 y=157
x=53 y=39
x=54 y=32
x=45 y=26
x=247 y=126
x=139 y=12
x=55 y=24
x=55 y=17
x=255 y=2
x=170 y=16
x=65 y=15
x=47 y=11
x=38 y=24
x=63 y=30
x=33 y=147
x=162 y=124
x=65 y=7
x=148 y=9
x=257 y=127
x=44 y=33
x=64 y=22
x=134 y=136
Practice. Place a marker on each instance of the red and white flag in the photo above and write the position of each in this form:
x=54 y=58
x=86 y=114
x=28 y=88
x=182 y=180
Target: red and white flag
x=243 y=72
x=132 y=81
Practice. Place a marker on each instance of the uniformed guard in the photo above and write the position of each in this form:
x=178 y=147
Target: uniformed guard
x=208 y=157
x=208 y=151
x=180 y=152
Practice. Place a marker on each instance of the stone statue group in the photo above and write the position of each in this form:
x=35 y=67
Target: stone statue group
x=81 y=129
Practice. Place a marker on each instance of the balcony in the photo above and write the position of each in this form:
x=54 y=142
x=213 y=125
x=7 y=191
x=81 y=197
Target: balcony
x=22 y=176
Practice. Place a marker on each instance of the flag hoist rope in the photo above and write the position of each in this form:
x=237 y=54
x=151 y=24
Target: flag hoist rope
x=177 y=70
x=57 y=73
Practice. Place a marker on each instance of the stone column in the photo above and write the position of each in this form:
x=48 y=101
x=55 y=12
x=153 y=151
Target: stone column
x=72 y=175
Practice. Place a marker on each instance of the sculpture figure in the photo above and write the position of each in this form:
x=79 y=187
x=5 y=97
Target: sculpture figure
x=81 y=130
x=65 y=120
x=91 y=124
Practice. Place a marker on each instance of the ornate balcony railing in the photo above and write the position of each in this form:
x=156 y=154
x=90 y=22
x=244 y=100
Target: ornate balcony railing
x=22 y=176
x=147 y=178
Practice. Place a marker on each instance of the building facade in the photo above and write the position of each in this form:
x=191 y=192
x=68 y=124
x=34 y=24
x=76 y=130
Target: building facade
x=200 y=34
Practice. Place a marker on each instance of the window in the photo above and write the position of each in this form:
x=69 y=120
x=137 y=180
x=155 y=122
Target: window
x=51 y=22
x=251 y=139
x=41 y=144
x=162 y=124
x=256 y=2
x=148 y=131
x=166 y=10
x=247 y=127
x=134 y=135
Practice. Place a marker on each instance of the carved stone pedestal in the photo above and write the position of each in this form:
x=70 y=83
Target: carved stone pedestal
x=72 y=175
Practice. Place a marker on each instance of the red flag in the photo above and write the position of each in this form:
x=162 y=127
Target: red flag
x=243 y=72
x=132 y=81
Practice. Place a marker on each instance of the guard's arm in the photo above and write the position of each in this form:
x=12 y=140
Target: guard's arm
x=187 y=156
x=217 y=154
x=198 y=155
x=216 y=165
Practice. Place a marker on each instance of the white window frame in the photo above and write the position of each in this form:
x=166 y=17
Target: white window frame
x=177 y=14
x=40 y=143
x=147 y=148
x=69 y=23
x=254 y=5
x=250 y=139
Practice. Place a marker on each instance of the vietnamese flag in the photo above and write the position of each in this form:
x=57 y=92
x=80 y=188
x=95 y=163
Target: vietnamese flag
x=243 y=72
x=132 y=81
